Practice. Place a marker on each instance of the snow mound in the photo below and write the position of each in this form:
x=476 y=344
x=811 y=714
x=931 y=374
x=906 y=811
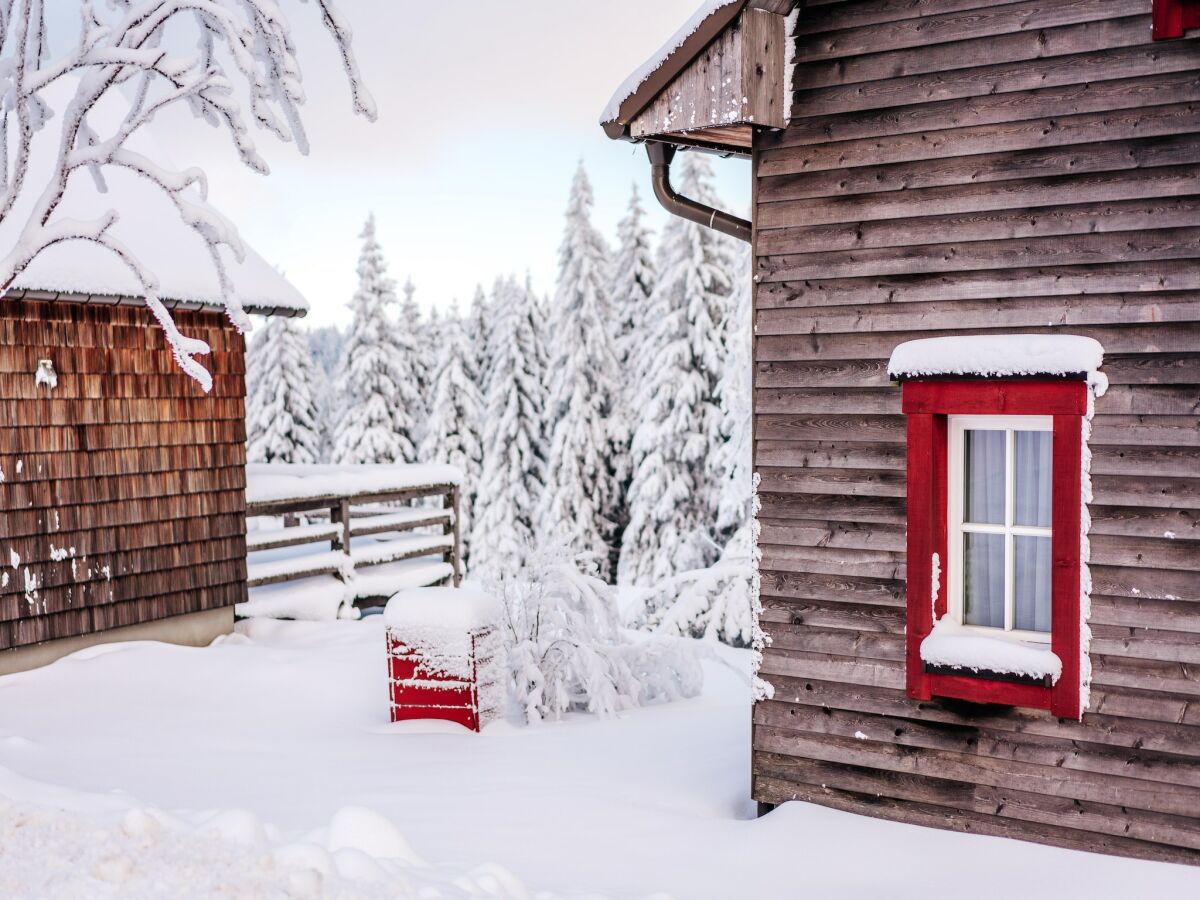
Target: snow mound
x=54 y=855
x=949 y=644
x=463 y=609
x=997 y=356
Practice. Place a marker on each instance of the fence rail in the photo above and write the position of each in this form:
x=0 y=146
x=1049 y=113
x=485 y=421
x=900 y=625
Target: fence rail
x=352 y=514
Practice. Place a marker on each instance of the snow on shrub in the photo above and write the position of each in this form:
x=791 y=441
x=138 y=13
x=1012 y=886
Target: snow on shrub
x=568 y=652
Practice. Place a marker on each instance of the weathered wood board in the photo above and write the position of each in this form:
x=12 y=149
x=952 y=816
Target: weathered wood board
x=962 y=167
x=122 y=498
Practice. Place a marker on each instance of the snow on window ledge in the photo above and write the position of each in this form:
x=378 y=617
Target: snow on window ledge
x=952 y=646
x=999 y=356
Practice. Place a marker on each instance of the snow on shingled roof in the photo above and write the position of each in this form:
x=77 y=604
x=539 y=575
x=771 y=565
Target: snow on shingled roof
x=149 y=226
x=650 y=78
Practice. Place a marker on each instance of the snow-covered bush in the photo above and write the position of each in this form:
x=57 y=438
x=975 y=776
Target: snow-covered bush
x=567 y=650
x=717 y=603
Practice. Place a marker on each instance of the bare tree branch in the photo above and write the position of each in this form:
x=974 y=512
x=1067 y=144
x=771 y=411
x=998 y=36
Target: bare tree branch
x=243 y=46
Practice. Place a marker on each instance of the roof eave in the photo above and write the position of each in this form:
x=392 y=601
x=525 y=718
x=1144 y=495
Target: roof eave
x=257 y=309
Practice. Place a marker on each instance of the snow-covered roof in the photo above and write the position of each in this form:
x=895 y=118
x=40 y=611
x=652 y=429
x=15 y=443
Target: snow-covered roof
x=674 y=47
x=997 y=356
x=150 y=227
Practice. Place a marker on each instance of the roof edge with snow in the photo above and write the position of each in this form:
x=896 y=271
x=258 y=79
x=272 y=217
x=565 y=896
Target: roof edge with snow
x=257 y=309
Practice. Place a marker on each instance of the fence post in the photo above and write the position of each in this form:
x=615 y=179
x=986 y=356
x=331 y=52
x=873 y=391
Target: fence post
x=456 y=547
x=341 y=513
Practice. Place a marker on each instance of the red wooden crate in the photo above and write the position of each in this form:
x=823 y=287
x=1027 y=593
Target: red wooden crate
x=420 y=691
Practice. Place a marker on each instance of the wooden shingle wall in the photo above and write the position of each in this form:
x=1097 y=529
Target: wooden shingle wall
x=122 y=499
x=961 y=166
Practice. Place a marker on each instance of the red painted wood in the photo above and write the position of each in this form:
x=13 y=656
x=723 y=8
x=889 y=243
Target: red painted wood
x=983 y=690
x=1171 y=18
x=408 y=694
x=996 y=397
x=1066 y=524
x=921 y=519
x=437 y=696
x=928 y=405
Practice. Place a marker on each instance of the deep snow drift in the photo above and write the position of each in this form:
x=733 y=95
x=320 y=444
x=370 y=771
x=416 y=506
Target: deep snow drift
x=288 y=722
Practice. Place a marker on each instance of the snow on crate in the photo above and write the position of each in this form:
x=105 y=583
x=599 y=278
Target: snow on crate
x=997 y=356
x=445 y=656
x=951 y=645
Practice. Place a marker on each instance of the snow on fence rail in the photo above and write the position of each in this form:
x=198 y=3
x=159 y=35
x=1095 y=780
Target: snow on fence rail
x=349 y=499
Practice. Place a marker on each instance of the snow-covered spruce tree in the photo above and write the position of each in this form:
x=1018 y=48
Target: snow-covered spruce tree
x=514 y=460
x=674 y=495
x=375 y=384
x=236 y=48
x=479 y=329
x=581 y=483
x=282 y=414
x=634 y=278
x=456 y=412
x=421 y=361
x=733 y=458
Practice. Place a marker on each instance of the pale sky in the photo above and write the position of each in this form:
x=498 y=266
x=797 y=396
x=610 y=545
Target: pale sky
x=485 y=108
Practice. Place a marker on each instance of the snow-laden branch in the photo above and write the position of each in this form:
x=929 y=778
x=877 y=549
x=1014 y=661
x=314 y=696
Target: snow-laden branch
x=242 y=49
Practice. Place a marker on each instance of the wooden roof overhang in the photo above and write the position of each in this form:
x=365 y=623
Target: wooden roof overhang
x=724 y=80
x=114 y=300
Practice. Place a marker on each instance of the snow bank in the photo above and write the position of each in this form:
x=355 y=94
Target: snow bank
x=949 y=644
x=267 y=482
x=148 y=854
x=630 y=85
x=997 y=356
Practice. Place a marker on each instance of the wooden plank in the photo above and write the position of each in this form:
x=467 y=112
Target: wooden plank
x=980 y=21
x=1115 y=94
x=1006 y=76
x=777 y=157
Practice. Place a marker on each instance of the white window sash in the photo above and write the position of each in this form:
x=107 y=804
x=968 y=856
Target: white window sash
x=957 y=528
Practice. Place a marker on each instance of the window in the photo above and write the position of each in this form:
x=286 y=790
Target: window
x=994 y=530
x=1001 y=485
x=1171 y=18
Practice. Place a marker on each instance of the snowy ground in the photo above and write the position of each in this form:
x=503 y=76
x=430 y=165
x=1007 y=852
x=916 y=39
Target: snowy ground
x=286 y=723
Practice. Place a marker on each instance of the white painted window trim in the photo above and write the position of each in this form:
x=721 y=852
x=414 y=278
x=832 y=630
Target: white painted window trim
x=956 y=528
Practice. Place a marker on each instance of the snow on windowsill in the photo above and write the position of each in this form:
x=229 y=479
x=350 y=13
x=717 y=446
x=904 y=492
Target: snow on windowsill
x=951 y=645
x=999 y=356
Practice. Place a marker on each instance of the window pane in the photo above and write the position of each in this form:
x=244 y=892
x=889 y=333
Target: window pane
x=1031 y=589
x=983 y=580
x=983 y=487
x=1034 y=463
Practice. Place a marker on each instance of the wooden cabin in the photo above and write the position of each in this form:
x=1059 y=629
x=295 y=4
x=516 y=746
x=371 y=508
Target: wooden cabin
x=122 y=483
x=969 y=170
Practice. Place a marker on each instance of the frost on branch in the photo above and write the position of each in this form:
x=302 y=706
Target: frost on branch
x=567 y=651
x=99 y=92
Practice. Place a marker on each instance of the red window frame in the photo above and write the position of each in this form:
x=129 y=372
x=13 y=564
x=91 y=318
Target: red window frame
x=1171 y=18
x=927 y=405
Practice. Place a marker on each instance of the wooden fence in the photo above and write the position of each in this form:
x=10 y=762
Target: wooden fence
x=343 y=517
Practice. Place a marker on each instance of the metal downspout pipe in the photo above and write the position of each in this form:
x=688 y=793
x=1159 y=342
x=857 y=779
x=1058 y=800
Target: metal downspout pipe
x=660 y=175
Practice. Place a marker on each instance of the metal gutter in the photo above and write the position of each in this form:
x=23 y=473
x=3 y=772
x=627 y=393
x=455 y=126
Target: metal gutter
x=661 y=155
x=111 y=300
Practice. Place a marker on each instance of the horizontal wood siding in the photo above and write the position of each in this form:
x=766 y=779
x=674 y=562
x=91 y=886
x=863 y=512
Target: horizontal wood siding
x=956 y=166
x=122 y=498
